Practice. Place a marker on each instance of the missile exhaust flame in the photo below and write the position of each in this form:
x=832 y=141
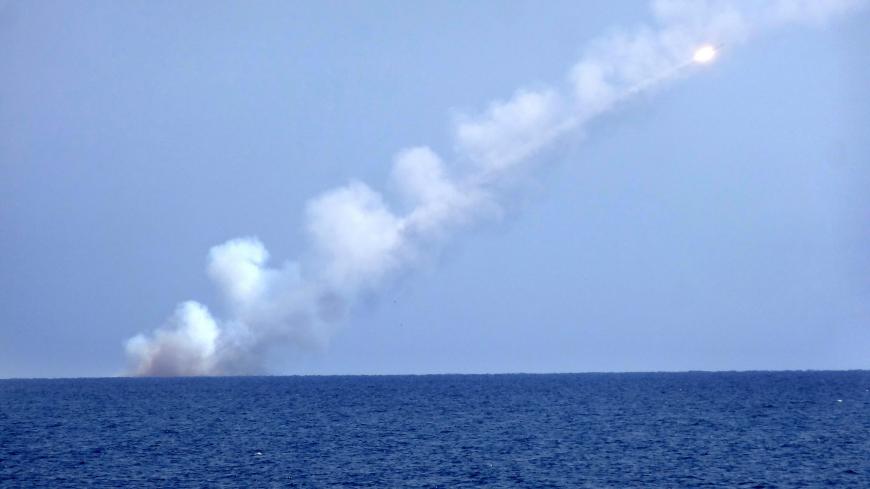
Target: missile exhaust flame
x=705 y=54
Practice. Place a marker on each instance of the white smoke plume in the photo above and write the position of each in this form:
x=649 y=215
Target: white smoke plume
x=358 y=241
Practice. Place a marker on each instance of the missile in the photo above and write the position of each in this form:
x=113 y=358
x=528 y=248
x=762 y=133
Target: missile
x=706 y=53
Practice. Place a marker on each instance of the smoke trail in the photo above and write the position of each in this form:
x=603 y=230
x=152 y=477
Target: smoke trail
x=357 y=241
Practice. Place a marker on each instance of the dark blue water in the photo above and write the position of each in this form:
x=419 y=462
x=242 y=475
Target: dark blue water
x=785 y=429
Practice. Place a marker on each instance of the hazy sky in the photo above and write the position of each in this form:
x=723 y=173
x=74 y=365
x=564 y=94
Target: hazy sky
x=719 y=222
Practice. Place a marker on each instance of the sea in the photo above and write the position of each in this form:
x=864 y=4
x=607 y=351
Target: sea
x=601 y=430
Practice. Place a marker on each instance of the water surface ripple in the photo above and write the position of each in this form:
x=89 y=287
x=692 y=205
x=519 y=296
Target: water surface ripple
x=735 y=430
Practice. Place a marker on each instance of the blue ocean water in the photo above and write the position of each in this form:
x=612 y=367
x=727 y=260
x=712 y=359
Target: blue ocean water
x=753 y=429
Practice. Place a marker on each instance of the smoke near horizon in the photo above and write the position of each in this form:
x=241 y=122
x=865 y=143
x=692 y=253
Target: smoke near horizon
x=357 y=241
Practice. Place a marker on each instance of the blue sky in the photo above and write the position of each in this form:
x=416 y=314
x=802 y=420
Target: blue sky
x=717 y=222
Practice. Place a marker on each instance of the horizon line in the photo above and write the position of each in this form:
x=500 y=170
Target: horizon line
x=451 y=374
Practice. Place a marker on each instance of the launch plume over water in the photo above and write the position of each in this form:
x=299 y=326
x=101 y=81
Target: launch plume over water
x=358 y=240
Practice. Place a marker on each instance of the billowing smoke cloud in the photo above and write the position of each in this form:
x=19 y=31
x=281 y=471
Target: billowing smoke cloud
x=358 y=241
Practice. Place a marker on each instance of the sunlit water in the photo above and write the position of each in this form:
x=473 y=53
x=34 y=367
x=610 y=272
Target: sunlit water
x=758 y=429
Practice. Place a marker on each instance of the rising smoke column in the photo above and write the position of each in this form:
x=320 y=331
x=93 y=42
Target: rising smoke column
x=358 y=242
